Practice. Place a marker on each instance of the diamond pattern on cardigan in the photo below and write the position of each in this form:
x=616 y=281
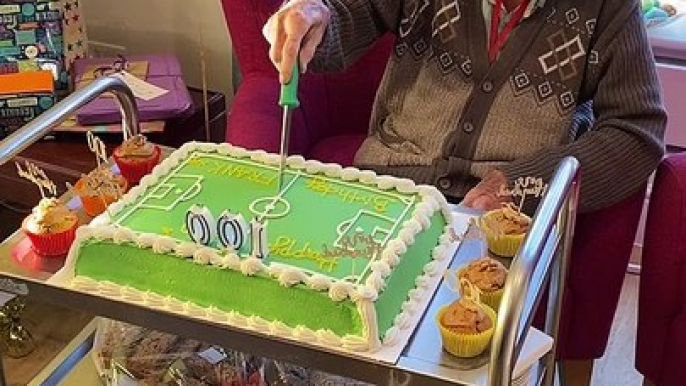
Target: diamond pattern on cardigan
x=593 y=57
x=572 y=16
x=562 y=55
x=419 y=48
x=590 y=26
x=567 y=100
x=444 y=23
x=446 y=61
x=413 y=21
x=401 y=49
x=467 y=68
x=543 y=90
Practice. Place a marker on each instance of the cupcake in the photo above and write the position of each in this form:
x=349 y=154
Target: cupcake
x=136 y=157
x=505 y=229
x=51 y=227
x=466 y=327
x=98 y=189
x=488 y=276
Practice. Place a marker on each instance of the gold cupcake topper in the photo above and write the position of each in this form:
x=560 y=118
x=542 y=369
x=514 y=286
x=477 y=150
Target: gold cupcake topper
x=98 y=148
x=469 y=291
x=525 y=187
x=356 y=246
x=461 y=286
x=37 y=175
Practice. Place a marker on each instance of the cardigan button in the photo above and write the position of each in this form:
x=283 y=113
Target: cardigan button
x=444 y=183
x=468 y=127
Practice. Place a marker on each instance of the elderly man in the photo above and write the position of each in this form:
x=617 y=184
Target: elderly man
x=479 y=93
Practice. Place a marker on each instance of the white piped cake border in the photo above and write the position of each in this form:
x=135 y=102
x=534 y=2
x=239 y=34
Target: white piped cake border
x=363 y=294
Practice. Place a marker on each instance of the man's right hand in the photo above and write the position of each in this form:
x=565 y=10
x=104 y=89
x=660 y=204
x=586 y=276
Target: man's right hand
x=294 y=33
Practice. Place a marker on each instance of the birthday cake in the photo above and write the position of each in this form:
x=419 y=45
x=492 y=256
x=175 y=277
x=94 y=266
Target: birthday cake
x=338 y=256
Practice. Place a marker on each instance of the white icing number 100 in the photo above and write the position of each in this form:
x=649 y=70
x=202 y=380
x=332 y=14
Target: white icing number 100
x=230 y=229
x=199 y=221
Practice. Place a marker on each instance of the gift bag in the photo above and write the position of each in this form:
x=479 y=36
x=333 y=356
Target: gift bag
x=31 y=38
x=75 y=40
x=24 y=96
x=32 y=67
x=156 y=81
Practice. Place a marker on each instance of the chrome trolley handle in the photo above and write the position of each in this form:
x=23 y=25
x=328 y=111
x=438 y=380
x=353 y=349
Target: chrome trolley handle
x=543 y=258
x=39 y=127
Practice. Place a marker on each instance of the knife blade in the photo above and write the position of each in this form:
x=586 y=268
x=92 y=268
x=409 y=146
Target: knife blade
x=289 y=102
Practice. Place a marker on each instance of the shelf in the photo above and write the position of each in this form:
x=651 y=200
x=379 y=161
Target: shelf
x=83 y=374
x=68 y=363
x=52 y=328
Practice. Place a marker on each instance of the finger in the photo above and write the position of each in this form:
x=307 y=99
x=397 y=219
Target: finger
x=480 y=203
x=295 y=25
x=289 y=55
x=309 y=45
x=269 y=30
x=276 y=50
x=472 y=195
x=279 y=38
x=486 y=203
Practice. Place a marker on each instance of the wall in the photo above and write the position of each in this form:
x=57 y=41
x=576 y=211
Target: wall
x=149 y=26
x=673 y=78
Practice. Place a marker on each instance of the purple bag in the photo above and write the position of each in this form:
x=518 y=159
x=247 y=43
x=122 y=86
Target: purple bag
x=160 y=70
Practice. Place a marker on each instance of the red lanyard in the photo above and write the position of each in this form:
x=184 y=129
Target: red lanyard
x=498 y=38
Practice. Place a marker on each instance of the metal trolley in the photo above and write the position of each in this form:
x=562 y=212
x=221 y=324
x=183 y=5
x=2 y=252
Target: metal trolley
x=540 y=265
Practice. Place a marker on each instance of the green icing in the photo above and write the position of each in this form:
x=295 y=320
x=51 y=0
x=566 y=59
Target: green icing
x=222 y=288
x=318 y=207
x=399 y=284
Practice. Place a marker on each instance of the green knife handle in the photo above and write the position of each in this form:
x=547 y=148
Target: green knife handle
x=289 y=91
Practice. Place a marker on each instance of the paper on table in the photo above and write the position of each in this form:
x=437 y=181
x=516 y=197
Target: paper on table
x=140 y=88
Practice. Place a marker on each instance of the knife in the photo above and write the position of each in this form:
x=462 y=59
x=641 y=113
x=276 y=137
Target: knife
x=289 y=102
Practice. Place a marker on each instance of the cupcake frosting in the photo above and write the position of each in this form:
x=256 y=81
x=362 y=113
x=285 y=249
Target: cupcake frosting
x=135 y=148
x=486 y=274
x=509 y=221
x=50 y=216
x=101 y=181
x=466 y=317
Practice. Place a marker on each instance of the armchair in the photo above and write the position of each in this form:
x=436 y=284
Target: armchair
x=661 y=338
x=331 y=125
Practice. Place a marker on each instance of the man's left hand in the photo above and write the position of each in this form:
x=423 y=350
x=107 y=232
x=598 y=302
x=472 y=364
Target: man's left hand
x=486 y=194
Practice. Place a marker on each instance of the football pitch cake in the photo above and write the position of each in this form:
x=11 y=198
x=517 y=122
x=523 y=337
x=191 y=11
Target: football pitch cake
x=340 y=257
